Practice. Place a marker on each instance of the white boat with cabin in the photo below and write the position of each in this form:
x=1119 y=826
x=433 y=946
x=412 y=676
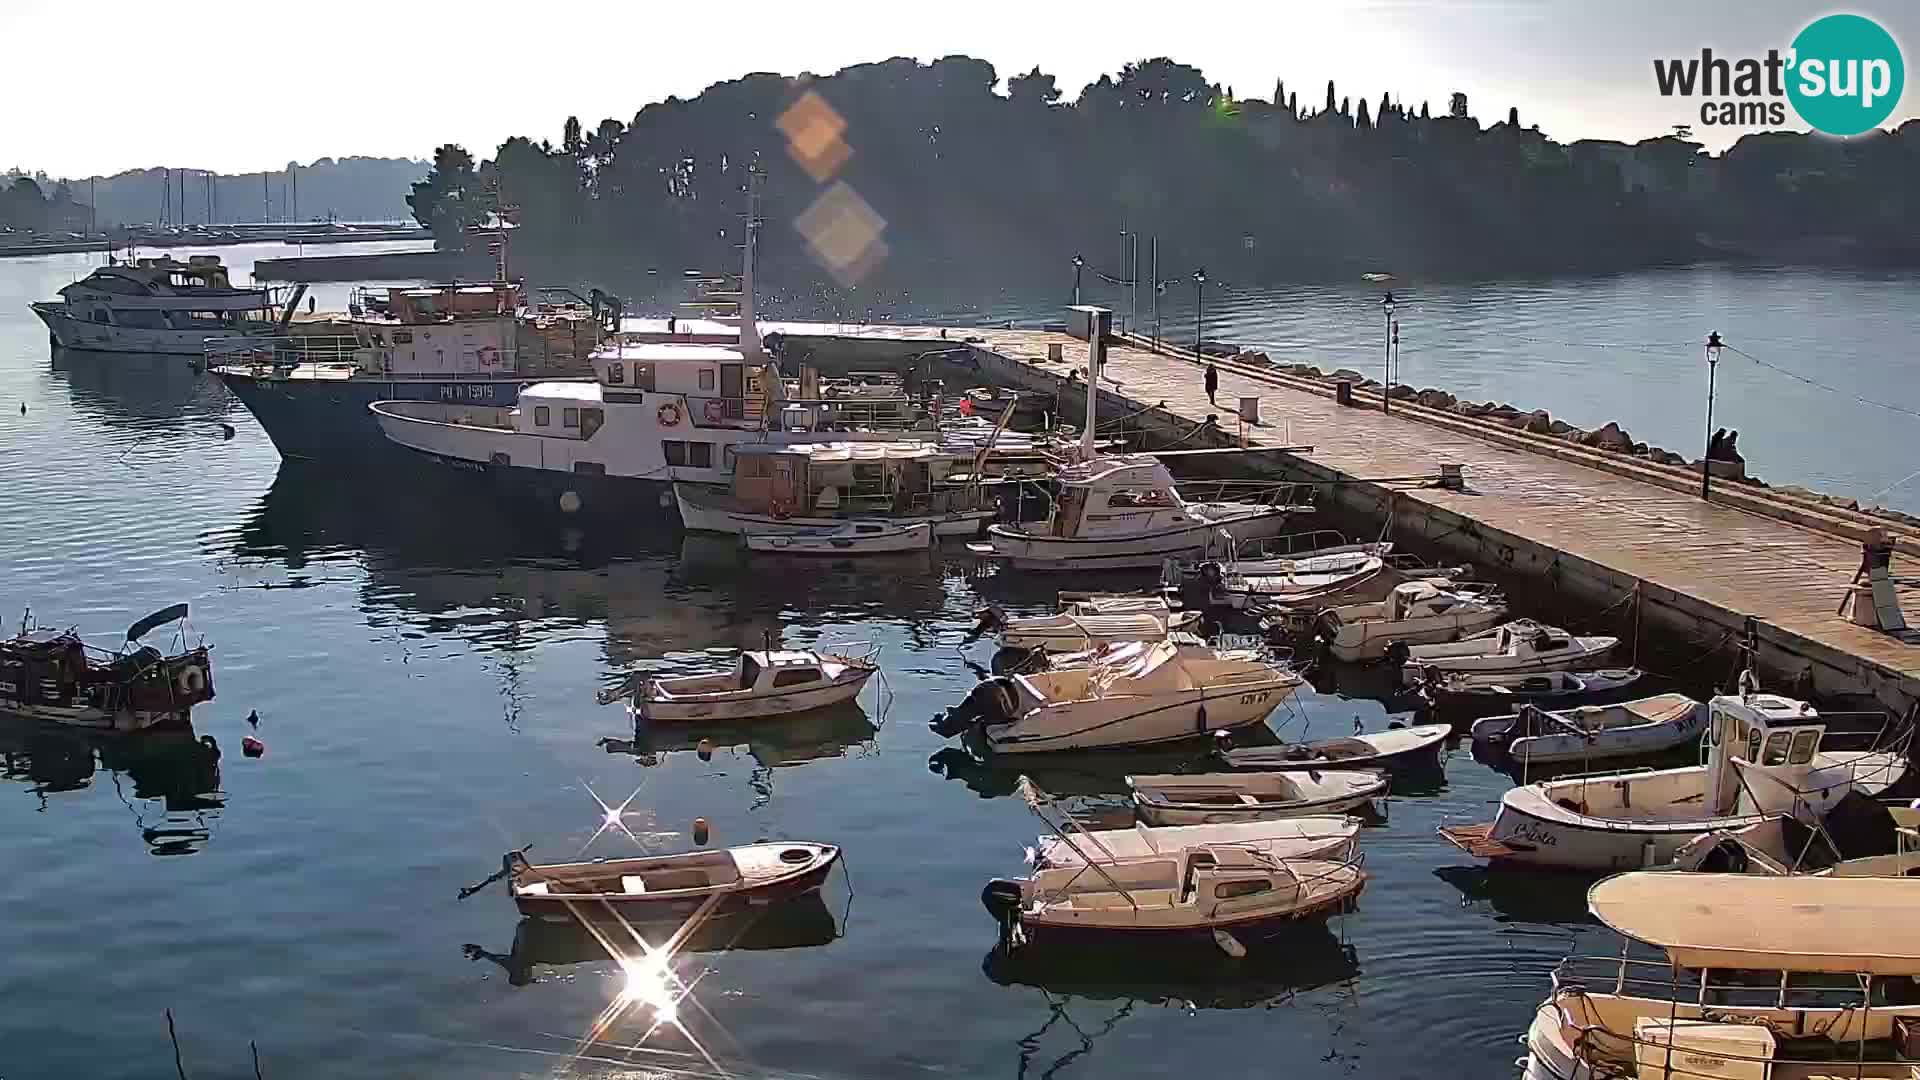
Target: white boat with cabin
x=1514 y=648
x=762 y=683
x=160 y=305
x=1763 y=757
x=1649 y=725
x=1162 y=694
x=1414 y=613
x=1762 y=978
x=1212 y=798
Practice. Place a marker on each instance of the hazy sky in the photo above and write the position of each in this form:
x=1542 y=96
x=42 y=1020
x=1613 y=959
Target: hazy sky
x=116 y=84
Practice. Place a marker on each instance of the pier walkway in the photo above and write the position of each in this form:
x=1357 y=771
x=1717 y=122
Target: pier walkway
x=1599 y=526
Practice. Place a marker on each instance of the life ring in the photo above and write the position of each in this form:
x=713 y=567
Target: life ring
x=192 y=679
x=778 y=510
x=716 y=410
x=669 y=414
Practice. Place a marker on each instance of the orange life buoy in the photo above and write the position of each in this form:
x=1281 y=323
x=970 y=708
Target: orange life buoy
x=779 y=510
x=669 y=414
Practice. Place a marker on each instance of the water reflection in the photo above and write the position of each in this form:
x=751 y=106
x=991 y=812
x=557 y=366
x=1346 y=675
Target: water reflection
x=786 y=741
x=1530 y=895
x=122 y=388
x=169 y=781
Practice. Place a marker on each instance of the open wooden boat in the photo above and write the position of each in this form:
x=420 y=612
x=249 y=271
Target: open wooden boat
x=663 y=888
x=1090 y=623
x=1650 y=725
x=1402 y=748
x=1212 y=798
x=1313 y=579
x=1314 y=837
x=1414 y=613
x=853 y=538
x=1497 y=693
x=765 y=682
x=53 y=676
x=1515 y=648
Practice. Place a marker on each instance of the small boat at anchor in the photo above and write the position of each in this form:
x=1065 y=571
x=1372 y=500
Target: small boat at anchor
x=1515 y=648
x=1089 y=624
x=1311 y=579
x=1485 y=695
x=853 y=538
x=1398 y=749
x=1414 y=613
x=763 y=682
x=666 y=888
x=53 y=676
x=1163 y=693
x=1213 y=798
x=1210 y=892
x=1650 y=725
x=1323 y=836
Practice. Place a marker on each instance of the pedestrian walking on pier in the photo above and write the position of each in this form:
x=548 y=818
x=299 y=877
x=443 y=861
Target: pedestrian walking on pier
x=1213 y=382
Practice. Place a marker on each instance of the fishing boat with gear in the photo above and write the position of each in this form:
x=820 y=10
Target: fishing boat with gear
x=762 y=683
x=1771 y=978
x=1764 y=755
x=1215 y=894
x=1531 y=735
x=53 y=676
x=1414 y=613
x=1165 y=693
x=1514 y=648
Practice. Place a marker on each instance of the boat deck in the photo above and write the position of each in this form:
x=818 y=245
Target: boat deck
x=1749 y=552
x=1475 y=840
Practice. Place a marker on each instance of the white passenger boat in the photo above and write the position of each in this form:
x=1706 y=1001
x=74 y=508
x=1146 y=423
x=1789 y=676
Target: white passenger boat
x=1649 y=725
x=1159 y=695
x=160 y=306
x=1197 y=887
x=1210 y=798
x=853 y=538
x=1768 y=978
x=1322 y=836
x=1414 y=613
x=1763 y=758
x=1124 y=512
x=1090 y=623
x=762 y=683
x=1516 y=648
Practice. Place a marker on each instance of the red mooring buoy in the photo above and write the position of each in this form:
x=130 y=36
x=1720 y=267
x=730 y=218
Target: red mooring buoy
x=252 y=747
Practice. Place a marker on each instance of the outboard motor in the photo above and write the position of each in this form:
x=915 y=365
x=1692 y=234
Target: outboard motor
x=1001 y=898
x=989 y=702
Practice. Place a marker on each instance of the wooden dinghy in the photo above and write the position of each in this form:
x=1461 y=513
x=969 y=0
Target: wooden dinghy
x=1395 y=748
x=853 y=538
x=666 y=888
x=1321 y=836
x=1211 y=798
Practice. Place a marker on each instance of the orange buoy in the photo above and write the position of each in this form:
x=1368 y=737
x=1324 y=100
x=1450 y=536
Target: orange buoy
x=252 y=747
x=701 y=831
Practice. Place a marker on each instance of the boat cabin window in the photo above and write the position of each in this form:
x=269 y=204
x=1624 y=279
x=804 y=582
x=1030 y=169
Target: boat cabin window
x=570 y=418
x=674 y=451
x=643 y=376
x=590 y=421
x=700 y=455
x=1753 y=745
x=706 y=378
x=1806 y=742
x=589 y=468
x=1777 y=748
x=796 y=676
x=749 y=672
x=1137 y=498
x=616 y=373
x=541 y=415
x=1229 y=890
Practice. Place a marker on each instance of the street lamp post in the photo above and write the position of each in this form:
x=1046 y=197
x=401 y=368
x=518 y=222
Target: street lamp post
x=1714 y=345
x=1078 y=264
x=1199 y=308
x=1386 y=388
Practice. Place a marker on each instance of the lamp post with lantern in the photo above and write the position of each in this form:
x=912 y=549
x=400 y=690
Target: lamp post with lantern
x=1199 y=308
x=1714 y=345
x=1386 y=397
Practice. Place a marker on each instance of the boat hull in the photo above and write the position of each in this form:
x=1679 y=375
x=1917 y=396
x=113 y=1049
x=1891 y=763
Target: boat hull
x=71 y=333
x=697 y=515
x=1107 y=723
x=675 y=910
x=91 y=719
x=1027 y=551
x=1400 y=749
x=1363 y=642
x=751 y=708
x=327 y=419
x=1042 y=931
x=839 y=544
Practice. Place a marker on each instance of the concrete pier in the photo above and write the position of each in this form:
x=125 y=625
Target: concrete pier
x=1596 y=528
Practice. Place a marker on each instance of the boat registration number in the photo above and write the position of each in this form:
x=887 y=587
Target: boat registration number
x=1256 y=697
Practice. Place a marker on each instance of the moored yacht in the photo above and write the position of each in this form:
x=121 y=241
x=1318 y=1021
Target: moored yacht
x=159 y=306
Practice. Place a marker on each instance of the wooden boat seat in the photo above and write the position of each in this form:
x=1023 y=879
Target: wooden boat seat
x=1108 y=900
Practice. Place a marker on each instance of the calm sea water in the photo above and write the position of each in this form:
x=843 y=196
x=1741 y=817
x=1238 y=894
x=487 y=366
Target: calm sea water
x=424 y=668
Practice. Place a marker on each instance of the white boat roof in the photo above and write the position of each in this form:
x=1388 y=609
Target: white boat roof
x=669 y=351
x=847 y=451
x=783 y=658
x=1845 y=925
x=569 y=391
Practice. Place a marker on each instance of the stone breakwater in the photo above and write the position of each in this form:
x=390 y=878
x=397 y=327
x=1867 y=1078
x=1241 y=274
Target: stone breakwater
x=1610 y=437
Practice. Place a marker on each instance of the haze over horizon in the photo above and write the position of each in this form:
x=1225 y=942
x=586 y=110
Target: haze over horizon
x=359 y=80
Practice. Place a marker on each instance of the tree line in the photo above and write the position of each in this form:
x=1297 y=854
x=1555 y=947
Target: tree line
x=977 y=182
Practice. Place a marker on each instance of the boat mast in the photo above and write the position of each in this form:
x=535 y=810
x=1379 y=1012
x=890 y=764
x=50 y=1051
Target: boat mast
x=749 y=321
x=1098 y=321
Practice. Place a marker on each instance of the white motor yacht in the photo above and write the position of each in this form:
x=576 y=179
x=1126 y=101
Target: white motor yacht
x=159 y=306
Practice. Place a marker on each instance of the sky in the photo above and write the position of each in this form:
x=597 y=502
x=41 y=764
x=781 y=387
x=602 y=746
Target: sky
x=238 y=88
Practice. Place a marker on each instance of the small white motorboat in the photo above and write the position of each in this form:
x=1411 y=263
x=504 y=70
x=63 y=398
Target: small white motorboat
x=678 y=888
x=1090 y=623
x=1414 y=613
x=766 y=682
x=1210 y=798
x=1310 y=579
x=1650 y=725
x=1763 y=758
x=853 y=538
x=1515 y=648
x=1189 y=645
x=1489 y=694
x=1316 y=837
x=1160 y=694
x=1401 y=748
